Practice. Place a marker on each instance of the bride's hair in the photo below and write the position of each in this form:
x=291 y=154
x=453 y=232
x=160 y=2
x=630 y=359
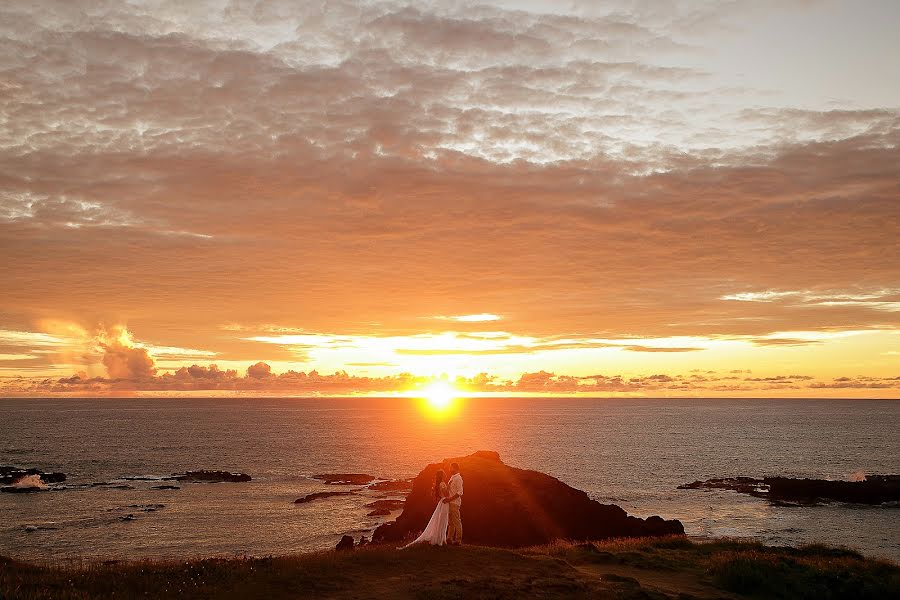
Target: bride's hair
x=438 y=478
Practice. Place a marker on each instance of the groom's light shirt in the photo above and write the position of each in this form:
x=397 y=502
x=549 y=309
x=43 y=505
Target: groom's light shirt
x=456 y=487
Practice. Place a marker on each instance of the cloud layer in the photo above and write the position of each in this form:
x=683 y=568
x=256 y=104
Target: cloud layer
x=361 y=167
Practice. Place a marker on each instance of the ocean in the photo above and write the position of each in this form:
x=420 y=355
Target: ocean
x=630 y=452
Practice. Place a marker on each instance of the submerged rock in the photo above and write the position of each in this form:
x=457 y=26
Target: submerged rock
x=212 y=476
x=506 y=506
x=345 y=478
x=874 y=489
x=397 y=485
x=10 y=489
x=320 y=495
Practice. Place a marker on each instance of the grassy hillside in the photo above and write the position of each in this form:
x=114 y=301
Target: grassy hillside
x=650 y=568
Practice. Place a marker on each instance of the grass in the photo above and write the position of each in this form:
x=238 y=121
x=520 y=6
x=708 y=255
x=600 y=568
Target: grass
x=619 y=569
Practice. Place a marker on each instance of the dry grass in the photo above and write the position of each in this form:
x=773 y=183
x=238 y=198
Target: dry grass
x=559 y=570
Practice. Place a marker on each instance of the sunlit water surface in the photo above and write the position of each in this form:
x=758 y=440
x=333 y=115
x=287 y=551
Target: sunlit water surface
x=633 y=453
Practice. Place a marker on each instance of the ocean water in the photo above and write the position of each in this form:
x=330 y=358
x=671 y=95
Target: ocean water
x=631 y=452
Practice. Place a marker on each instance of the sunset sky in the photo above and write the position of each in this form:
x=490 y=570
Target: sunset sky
x=644 y=197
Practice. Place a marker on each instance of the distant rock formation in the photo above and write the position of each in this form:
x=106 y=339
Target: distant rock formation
x=874 y=489
x=510 y=507
x=320 y=495
x=345 y=478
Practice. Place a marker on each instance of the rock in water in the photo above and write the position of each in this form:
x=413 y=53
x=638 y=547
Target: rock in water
x=506 y=506
x=320 y=495
x=345 y=478
x=346 y=543
x=9 y=474
x=874 y=489
x=212 y=476
x=388 y=505
x=398 y=485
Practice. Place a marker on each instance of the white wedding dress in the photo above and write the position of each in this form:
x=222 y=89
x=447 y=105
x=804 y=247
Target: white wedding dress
x=436 y=531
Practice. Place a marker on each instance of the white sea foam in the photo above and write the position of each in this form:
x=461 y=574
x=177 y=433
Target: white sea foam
x=29 y=482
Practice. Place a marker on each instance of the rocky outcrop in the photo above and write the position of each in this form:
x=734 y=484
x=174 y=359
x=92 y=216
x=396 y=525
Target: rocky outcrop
x=510 y=507
x=346 y=543
x=388 y=505
x=212 y=476
x=345 y=478
x=10 y=474
x=10 y=489
x=320 y=495
x=874 y=489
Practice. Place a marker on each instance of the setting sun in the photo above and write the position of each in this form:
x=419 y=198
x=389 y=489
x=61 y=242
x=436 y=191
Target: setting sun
x=439 y=396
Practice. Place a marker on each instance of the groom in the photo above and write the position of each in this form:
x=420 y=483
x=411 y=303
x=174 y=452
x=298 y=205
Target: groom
x=454 y=530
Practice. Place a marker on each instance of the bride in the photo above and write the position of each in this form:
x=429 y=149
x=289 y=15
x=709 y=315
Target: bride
x=436 y=531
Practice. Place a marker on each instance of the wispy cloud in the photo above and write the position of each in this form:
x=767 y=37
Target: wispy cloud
x=476 y=318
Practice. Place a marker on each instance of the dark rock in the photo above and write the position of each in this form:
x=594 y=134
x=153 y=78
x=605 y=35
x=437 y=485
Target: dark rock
x=128 y=517
x=387 y=505
x=346 y=543
x=746 y=485
x=506 y=506
x=164 y=487
x=398 y=485
x=345 y=478
x=52 y=477
x=320 y=495
x=9 y=489
x=111 y=485
x=10 y=474
x=148 y=507
x=787 y=491
x=212 y=476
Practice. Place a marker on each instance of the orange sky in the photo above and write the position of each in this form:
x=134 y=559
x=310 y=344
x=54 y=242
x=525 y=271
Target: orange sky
x=366 y=197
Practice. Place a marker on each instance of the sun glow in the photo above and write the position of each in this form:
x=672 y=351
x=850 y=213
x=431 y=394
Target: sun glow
x=439 y=396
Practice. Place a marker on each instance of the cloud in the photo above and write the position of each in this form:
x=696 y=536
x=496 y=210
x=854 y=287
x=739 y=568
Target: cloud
x=477 y=318
x=779 y=341
x=660 y=349
x=122 y=359
x=259 y=370
x=873 y=383
x=261 y=379
x=334 y=165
